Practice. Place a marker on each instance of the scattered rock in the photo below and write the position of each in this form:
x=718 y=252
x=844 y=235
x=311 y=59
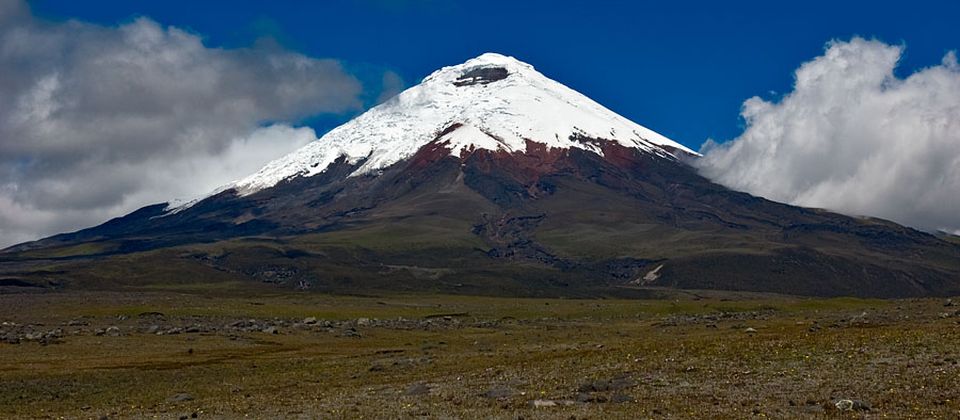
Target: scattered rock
x=713 y=318
x=550 y=403
x=851 y=405
x=249 y=325
x=750 y=330
x=112 y=331
x=309 y=320
x=270 y=330
x=949 y=302
x=180 y=397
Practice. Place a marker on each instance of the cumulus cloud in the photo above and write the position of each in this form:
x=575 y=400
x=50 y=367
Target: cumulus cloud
x=96 y=121
x=854 y=138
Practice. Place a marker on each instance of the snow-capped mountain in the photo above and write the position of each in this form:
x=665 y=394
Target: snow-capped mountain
x=491 y=102
x=489 y=178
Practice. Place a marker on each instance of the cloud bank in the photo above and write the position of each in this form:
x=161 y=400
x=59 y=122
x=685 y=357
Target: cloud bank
x=854 y=138
x=97 y=121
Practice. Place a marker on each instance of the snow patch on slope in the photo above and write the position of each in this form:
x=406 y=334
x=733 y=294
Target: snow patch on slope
x=497 y=115
x=466 y=138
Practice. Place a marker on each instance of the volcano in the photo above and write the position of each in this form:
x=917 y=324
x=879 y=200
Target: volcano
x=490 y=178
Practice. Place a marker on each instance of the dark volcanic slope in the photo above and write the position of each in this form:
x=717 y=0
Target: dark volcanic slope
x=546 y=222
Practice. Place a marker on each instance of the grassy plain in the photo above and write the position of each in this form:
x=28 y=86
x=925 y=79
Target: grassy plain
x=438 y=356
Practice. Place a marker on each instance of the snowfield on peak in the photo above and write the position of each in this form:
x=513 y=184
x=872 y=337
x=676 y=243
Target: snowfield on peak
x=496 y=102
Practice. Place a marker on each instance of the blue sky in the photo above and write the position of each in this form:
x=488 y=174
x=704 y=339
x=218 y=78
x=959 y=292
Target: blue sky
x=681 y=68
x=111 y=105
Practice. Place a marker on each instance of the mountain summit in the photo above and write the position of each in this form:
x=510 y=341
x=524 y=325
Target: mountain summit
x=490 y=102
x=489 y=178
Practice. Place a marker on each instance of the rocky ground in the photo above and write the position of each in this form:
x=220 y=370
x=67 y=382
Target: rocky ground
x=168 y=355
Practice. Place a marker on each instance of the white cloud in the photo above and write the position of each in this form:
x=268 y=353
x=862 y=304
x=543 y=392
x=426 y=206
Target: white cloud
x=854 y=138
x=97 y=121
x=185 y=178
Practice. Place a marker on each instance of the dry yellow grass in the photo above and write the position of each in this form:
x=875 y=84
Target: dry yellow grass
x=488 y=358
